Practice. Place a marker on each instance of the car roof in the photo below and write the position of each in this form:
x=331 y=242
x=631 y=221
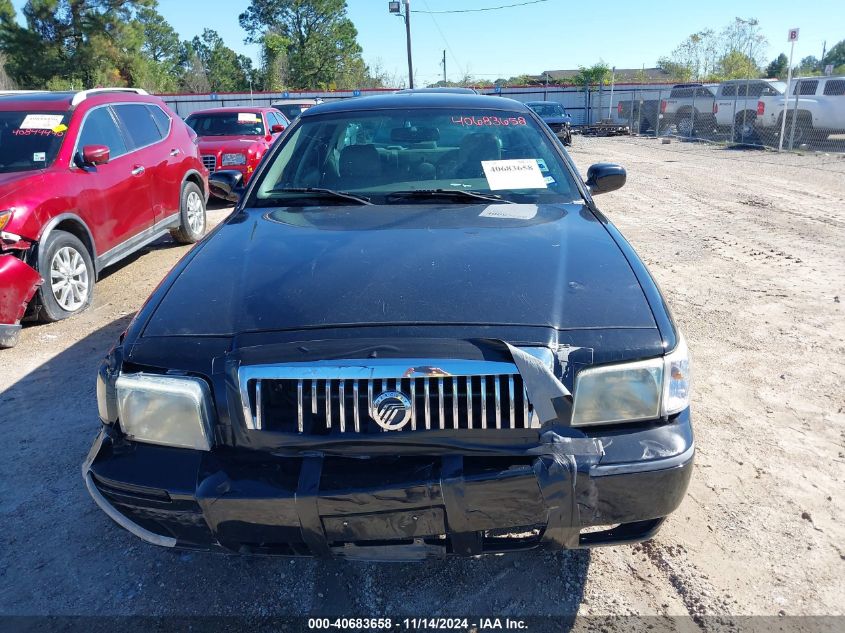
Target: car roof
x=438 y=89
x=418 y=100
x=309 y=101
x=15 y=100
x=530 y=103
x=229 y=109
x=64 y=100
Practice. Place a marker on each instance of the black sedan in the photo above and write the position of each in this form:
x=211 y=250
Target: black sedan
x=416 y=335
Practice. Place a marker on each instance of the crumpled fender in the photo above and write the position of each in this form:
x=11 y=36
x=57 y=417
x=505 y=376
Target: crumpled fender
x=18 y=283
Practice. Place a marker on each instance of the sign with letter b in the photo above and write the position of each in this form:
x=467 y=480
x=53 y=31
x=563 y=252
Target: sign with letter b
x=793 y=35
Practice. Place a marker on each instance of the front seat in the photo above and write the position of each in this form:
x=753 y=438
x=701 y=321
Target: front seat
x=359 y=166
x=474 y=148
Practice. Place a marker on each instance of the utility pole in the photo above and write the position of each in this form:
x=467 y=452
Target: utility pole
x=408 y=36
x=394 y=7
x=444 y=67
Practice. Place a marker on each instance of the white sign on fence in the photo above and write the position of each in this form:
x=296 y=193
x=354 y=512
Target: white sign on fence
x=828 y=70
x=793 y=35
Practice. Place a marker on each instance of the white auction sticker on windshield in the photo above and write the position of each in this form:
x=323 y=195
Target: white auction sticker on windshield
x=522 y=173
x=41 y=121
x=510 y=211
x=247 y=117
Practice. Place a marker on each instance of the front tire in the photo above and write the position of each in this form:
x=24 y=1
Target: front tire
x=68 y=288
x=192 y=215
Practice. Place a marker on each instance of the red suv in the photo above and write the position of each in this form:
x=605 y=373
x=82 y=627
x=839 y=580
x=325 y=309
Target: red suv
x=86 y=178
x=236 y=138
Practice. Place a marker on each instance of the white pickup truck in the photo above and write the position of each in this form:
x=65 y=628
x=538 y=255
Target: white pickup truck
x=735 y=107
x=816 y=103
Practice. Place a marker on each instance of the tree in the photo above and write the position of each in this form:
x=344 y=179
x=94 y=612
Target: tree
x=737 y=65
x=595 y=74
x=835 y=56
x=224 y=68
x=707 y=56
x=809 y=65
x=778 y=67
x=6 y=82
x=321 y=48
x=78 y=43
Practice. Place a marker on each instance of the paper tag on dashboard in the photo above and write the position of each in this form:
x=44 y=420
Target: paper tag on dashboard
x=522 y=173
x=41 y=121
x=247 y=117
x=510 y=211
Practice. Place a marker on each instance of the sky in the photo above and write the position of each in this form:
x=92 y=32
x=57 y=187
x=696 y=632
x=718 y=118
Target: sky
x=548 y=35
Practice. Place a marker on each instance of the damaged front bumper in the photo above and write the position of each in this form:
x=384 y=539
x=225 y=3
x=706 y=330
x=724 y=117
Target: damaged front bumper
x=565 y=489
x=18 y=284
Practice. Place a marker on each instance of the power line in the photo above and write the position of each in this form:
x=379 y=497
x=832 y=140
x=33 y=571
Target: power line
x=445 y=41
x=504 y=6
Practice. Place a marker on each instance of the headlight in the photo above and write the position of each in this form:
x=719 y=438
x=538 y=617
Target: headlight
x=5 y=216
x=234 y=159
x=168 y=410
x=627 y=392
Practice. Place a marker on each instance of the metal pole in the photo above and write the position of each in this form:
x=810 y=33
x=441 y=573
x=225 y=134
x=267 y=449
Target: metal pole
x=794 y=113
x=786 y=99
x=612 y=81
x=657 y=115
x=444 y=66
x=692 y=114
x=408 y=37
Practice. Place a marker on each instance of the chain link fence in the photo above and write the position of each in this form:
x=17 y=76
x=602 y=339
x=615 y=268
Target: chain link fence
x=809 y=115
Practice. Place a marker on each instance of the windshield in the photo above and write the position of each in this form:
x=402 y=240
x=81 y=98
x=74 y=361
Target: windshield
x=291 y=111
x=227 y=124
x=548 y=109
x=390 y=156
x=30 y=140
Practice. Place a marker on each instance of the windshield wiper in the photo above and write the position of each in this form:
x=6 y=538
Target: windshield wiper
x=324 y=193
x=457 y=194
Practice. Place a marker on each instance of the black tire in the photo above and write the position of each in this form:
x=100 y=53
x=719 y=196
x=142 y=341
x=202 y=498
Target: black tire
x=65 y=265
x=745 y=130
x=192 y=216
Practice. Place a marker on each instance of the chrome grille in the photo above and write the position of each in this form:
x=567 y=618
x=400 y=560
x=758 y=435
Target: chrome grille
x=210 y=161
x=327 y=397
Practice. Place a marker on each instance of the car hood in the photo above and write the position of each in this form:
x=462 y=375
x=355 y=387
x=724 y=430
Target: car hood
x=557 y=119
x=319 y=267
x=215 y=144
x=14 y=181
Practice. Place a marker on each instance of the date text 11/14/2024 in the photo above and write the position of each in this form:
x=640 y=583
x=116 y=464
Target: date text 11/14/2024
x=419 y=624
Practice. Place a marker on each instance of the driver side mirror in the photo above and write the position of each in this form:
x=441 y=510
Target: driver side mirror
x=604 y=177
x=277 y=128
x=227 y=184
x=93 y=155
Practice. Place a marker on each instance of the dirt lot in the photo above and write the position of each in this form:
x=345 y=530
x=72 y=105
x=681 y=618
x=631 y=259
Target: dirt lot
x=749 y=248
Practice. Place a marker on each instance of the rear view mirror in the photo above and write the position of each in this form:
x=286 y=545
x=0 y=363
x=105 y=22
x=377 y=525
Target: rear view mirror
x=604 y=177
x=93 y=155
x=414 y=134
x=226 y=184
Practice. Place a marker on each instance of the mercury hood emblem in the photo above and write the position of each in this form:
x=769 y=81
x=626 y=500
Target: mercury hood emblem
x=391 y=410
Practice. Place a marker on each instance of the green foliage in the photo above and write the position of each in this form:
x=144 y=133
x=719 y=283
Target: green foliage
x=595 y=74
x=778 y=67
x=226 y=70
x=835 y=56
x=320 y=41
x=737 y=65
x=737 y=51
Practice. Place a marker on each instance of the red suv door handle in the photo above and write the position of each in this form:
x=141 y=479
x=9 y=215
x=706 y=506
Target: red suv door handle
x=138 y=170
x=175 y=152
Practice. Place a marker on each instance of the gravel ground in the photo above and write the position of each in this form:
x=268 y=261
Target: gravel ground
x=749 y=249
